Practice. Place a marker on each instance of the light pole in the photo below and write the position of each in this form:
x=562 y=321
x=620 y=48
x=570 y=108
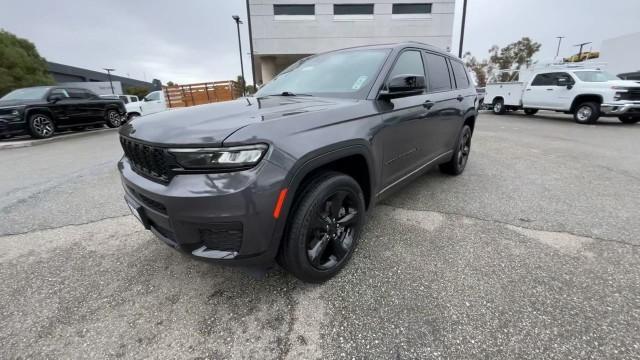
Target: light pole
x=110 y=82
x=238 y=22
x=581 y=45
x=253 y=67
x=464 y=18
x=559 y=41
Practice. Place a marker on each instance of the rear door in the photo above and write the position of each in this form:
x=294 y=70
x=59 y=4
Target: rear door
x=462 y=100
x=404 y=135
x=442 y=106
x=539 y=91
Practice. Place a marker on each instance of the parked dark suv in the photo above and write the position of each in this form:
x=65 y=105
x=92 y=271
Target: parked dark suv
x=289 y=174
x=40 y=111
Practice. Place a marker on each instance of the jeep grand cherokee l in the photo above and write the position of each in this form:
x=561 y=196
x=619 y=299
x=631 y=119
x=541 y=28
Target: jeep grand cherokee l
x=40 y=111
x=289 y=173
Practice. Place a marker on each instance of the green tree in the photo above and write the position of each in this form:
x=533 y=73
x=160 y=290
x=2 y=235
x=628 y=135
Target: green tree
x=171 y=83
x=511 y=57
x=20 y=64
x=479 y=68
x=139 y=91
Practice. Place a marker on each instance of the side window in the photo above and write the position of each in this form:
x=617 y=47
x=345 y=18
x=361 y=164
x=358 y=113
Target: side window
x=124 y=98
x=409 y=63
x=438 y=72
x=563 y=75
x=134 y=99
x=543 y=80
x=154 y=96
x=77 y=93
x=460 y=74
x=59 y=92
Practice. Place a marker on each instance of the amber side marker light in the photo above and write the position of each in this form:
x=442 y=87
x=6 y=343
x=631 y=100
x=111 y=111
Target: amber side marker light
x=278 y=208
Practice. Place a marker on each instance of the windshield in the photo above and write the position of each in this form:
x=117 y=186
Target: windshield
x=26 y=94
x=340 y=74
x=595 y=76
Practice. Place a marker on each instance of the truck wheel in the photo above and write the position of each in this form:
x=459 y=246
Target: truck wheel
x=629 y=119
x=324 y=228
x=530 y=111
x=498 y=107
x=113 y=119
x=460 y=156
x=586 y=113
x=41 y=126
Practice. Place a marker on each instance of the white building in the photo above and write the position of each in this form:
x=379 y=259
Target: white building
x=621 y=54
x=287 y=30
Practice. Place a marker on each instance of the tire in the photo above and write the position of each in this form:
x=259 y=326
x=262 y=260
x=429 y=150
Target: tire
x=530 y=111
x=629 y=119
x=324 y=227
x=498 y=107
x=41 y=126
x=461 y=153
x=113 y=119
x=586 y=113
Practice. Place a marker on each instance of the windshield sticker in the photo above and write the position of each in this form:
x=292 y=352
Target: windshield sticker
x=358 y=84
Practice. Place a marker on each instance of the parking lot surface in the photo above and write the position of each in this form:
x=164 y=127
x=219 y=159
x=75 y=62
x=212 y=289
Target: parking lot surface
x=532 y=253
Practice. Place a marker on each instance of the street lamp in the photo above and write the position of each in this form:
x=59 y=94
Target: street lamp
x=110 y=82
x=236 y=18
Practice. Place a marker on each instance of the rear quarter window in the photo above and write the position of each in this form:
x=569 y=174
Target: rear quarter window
x=460 y=74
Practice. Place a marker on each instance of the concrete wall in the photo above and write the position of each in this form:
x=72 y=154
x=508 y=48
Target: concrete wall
x=273 y=38
x=622 y=54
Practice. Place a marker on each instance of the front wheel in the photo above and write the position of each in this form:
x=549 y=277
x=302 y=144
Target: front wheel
x=41 y=126
x=629 y=119
x=530 y=111
x=458 y=161
x=113 y=119
x=324 y=228
x=498 y=107
x=586 y=113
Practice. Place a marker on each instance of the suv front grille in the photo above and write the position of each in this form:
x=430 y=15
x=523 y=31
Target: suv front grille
x=150 y=161
x=222 y=236
x=155 y=205
x=632 y=95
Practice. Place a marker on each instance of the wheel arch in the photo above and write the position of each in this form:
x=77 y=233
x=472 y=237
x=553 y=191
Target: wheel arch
x=38 y=110
x=582 y=98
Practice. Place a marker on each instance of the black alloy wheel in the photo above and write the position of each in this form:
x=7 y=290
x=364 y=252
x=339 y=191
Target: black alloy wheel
x=324 y=228
x=460 y=157
x=114 y=119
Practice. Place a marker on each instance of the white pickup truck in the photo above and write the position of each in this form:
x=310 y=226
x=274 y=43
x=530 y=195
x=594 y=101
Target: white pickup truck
x=152 y=103
x=585 y=93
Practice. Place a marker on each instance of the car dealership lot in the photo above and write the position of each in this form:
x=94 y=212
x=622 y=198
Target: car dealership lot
x=532 y=252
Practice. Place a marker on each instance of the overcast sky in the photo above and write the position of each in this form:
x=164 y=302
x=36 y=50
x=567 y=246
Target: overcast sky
x=195 y=40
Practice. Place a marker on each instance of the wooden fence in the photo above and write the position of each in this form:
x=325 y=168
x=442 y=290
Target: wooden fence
x=201 y=93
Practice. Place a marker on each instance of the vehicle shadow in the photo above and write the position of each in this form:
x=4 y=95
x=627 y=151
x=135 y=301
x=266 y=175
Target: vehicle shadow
x=558 y=117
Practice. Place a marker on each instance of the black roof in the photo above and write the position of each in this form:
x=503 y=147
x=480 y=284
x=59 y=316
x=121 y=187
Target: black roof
x=401 y=45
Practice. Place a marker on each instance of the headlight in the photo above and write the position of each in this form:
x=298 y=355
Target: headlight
x=240 y=157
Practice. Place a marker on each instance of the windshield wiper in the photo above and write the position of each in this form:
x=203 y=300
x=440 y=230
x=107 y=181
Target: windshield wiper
x=287 y=93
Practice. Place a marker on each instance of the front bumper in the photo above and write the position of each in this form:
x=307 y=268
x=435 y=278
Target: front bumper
x=621 y=108
x=224 y=217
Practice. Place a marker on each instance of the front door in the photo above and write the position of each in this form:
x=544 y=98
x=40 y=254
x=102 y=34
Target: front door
x=61 y=106
x=403 y=133
x=562 y=95
x=152 y=103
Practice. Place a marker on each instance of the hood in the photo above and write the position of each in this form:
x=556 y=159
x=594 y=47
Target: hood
x=210 y=124
x=8 y=103
x=624 y=83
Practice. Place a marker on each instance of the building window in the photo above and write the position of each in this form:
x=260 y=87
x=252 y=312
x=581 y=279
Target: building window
x=294 y=12
x=353 y=11
x=411 y=11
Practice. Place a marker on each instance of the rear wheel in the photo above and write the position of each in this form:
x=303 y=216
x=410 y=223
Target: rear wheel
x=113 y=119
x=530 y=111
x=498 y=107
x=41 y=126
x=458 y=161
x=324 y=228
x=629 y=119
x=586 y=113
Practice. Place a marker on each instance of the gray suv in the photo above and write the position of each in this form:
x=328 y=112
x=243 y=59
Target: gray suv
x=289 y=174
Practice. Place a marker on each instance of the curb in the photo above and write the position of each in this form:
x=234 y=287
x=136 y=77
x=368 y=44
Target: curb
x=35 y=142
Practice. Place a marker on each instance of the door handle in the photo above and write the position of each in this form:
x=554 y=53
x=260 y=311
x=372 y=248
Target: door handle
x=528 y=90
x=549 y=89
x=428 y=104
x=460 y=98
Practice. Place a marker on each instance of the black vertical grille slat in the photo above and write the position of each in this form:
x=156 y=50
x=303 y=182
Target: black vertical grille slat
x=147 y=160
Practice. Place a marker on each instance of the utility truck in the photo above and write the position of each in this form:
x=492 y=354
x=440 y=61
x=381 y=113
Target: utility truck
x=587 y=92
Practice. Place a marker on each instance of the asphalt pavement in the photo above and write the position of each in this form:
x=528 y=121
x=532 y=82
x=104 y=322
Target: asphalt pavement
x=532 y=253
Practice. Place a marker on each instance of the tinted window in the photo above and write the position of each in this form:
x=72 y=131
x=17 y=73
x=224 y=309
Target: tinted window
x=409 y=63
x=543 y=80
x=460 y=74
x=59 y=92
x=438 y=72
x=353 y=9
x=124 y=98
x=134 y=99
x=411 y=9
x=77 y=94
x=294 y=9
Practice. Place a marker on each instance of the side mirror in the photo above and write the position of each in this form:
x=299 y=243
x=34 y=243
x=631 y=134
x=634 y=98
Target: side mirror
x=145 y=99
x=54 y=98
x=404 y=85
